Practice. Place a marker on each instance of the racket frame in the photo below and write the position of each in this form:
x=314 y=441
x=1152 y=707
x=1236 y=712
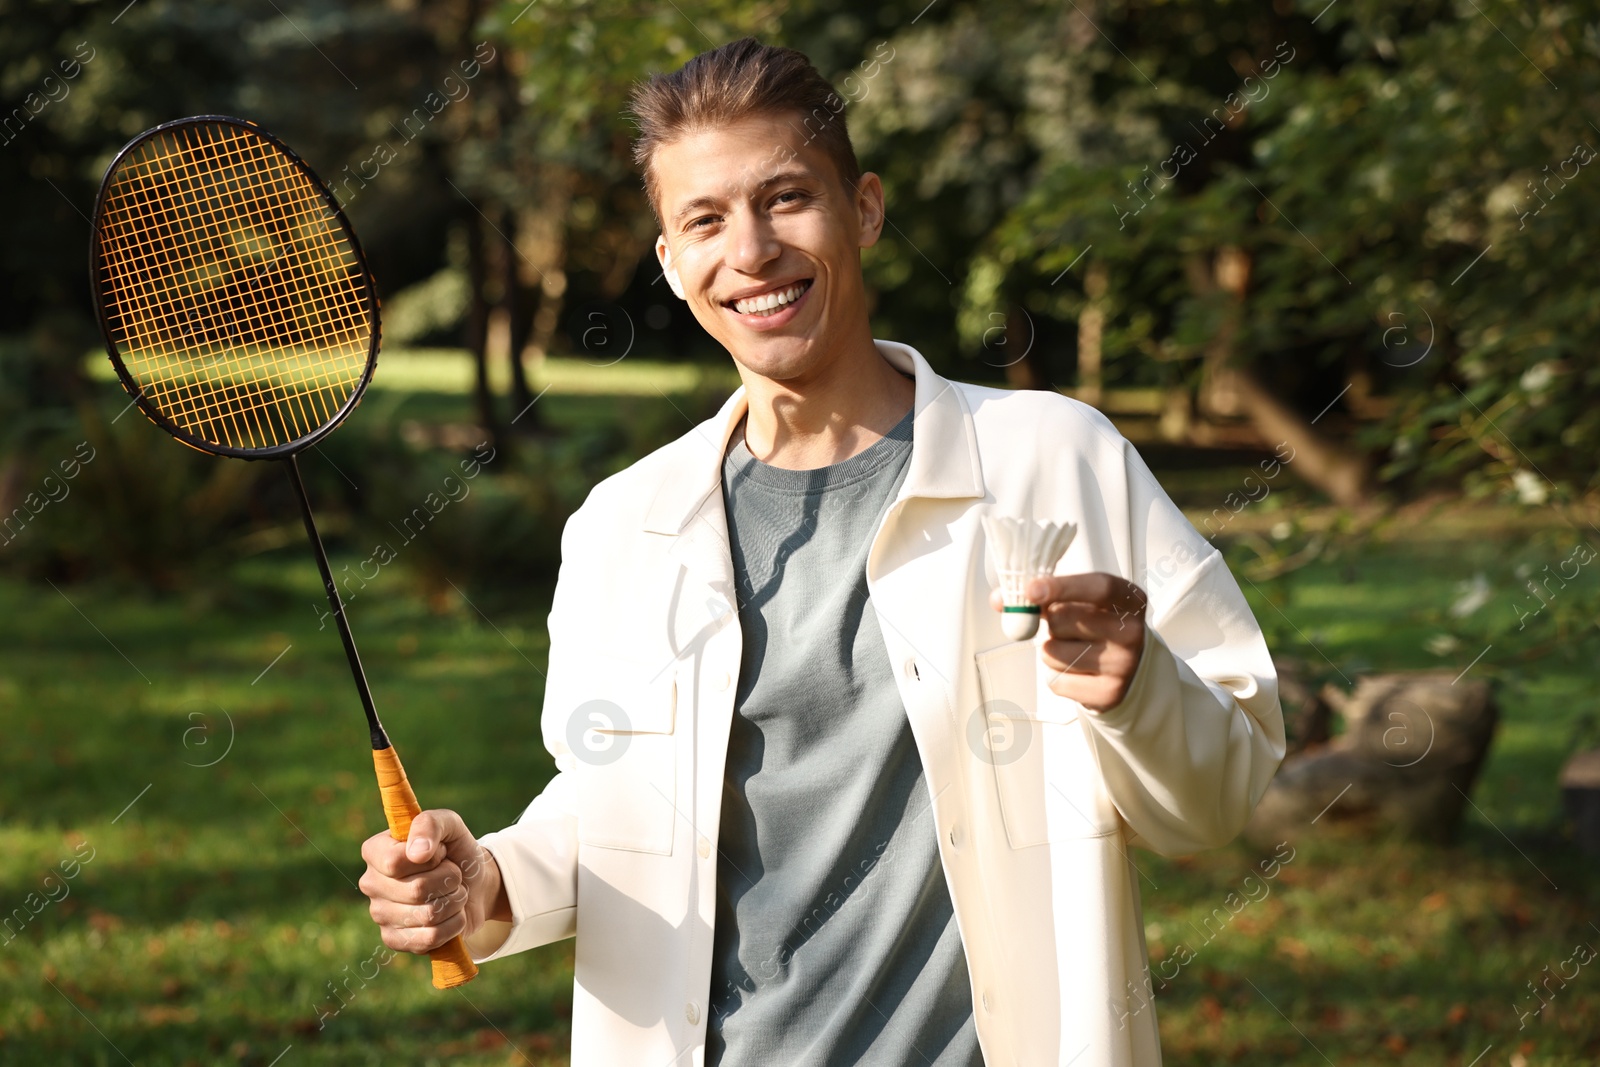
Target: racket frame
x=97 y=272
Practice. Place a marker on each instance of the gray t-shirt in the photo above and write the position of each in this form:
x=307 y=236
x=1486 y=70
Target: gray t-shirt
x=835 y=939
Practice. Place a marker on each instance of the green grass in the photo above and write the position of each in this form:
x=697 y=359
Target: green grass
x=219 y=905
x=215 y=909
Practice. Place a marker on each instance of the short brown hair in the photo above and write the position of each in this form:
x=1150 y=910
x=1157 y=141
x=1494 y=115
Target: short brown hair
x=741 y=79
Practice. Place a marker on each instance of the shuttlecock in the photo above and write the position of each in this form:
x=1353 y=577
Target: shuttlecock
x=1020 y=551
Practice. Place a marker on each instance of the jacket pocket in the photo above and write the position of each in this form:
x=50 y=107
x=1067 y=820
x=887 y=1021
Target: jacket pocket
x=1048 y=782
x=625 y=743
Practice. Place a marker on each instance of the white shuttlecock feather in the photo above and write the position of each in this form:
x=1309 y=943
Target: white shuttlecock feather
x=1020 y=551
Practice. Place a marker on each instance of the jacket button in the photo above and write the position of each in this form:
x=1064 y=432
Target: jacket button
x=955 y=837
x=691 y=1011
x=985 y=999
x=722 y=681
x=704 y=849
x=911 y=669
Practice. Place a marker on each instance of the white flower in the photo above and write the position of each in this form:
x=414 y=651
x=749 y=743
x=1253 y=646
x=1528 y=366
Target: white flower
x=1282 y=529
x=1531 y=488
x=1470 y=596
x=1536 y=377
x=1441 y=644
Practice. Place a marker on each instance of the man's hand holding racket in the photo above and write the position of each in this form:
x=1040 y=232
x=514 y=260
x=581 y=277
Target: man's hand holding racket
x=436 y=885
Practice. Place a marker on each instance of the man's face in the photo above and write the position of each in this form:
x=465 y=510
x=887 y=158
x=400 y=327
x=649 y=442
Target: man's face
x=765 y=237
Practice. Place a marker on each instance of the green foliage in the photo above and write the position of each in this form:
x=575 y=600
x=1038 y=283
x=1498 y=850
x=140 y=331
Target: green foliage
x=126 y=500
x=422 y=312
x=420 y=498
x=1402 y=183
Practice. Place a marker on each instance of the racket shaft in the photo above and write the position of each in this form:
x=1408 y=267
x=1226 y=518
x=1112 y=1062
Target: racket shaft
x=452 y=964
x=341 y=623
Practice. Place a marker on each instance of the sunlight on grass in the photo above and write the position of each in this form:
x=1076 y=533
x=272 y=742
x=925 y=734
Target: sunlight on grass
x=449 y=371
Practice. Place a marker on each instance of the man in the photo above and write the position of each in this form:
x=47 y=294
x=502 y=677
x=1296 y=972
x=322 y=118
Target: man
x=811 y=806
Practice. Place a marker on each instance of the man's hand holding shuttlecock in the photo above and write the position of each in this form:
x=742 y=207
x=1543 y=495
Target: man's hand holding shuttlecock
x=1096 y=639
x=1096 y=620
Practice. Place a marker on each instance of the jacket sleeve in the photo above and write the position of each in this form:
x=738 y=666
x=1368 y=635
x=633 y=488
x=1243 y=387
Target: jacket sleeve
x=538 y=854
x=1189 y=751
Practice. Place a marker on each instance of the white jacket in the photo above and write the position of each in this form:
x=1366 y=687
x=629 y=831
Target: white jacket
x=1036 y=800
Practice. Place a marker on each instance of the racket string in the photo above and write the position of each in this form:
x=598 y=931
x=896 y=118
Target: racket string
x=194 y=191
x=305 y=201
x=239 y=305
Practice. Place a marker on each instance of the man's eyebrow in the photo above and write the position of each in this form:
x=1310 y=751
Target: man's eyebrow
x=699 y=203
x=704 y=203
x=786 y=176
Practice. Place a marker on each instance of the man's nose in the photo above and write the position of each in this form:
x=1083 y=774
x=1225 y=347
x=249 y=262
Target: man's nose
x=752 y=242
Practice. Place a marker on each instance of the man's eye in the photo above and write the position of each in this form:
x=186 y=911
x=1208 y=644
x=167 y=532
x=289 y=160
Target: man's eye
x=789 y=197
x=702 y=222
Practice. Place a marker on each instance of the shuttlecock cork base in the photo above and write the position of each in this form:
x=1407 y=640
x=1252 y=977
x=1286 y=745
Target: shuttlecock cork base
x=1021 y=550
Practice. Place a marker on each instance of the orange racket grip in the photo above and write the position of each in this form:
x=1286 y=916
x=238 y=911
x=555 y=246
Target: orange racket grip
x=452 y=964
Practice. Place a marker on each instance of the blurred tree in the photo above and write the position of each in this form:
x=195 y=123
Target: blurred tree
x=1357 y=228
x=1293 y=203
x=1445 y=168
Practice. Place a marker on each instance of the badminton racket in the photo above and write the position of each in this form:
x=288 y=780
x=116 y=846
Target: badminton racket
x=240 y=316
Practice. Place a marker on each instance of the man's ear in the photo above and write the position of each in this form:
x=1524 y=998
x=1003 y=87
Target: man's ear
x=869 y=203
x=664 y=256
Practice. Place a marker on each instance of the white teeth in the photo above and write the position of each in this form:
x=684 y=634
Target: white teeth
x=769 y=301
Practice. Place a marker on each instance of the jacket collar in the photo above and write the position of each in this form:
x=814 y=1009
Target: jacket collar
x=944 y=447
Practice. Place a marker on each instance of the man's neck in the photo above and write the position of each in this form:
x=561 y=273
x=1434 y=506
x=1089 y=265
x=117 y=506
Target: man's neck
x=827 y=421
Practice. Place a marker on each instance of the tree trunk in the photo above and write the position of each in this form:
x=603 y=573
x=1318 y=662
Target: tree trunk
x=1227 y=390
x=1022 y=370
x=478 y=330
x=545 y=241
x=518 y=318
x=1091 y=329
x=1317 y=459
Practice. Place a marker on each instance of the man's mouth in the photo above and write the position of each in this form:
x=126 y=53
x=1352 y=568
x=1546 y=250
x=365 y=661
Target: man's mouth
x=770 y=303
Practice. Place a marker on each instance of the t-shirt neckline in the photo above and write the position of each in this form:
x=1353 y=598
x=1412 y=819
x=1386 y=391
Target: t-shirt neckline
x=864 y=464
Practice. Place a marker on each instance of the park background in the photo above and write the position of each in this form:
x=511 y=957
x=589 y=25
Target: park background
x=1360 y=233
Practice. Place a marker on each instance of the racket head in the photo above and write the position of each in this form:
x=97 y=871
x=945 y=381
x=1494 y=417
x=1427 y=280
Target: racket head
x=233 y=294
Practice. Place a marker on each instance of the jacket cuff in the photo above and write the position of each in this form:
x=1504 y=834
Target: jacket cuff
x=497 y=938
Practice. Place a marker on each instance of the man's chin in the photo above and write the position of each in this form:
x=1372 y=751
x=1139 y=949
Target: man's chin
x=779 y=357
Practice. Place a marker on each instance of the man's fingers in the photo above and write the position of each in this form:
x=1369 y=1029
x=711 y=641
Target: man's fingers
x=421 y=939
x=1105 y=591
x=441 y=882
x=1081 y=622
x=1073 y=657
x=431 y=910
x=388 y=857
x=431 y=835
x=1096 y=674
x=1089 y=657
x=1097 y=692
x=419 y=912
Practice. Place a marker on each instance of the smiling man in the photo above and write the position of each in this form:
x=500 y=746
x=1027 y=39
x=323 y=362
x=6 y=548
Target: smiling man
x=811 y=806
